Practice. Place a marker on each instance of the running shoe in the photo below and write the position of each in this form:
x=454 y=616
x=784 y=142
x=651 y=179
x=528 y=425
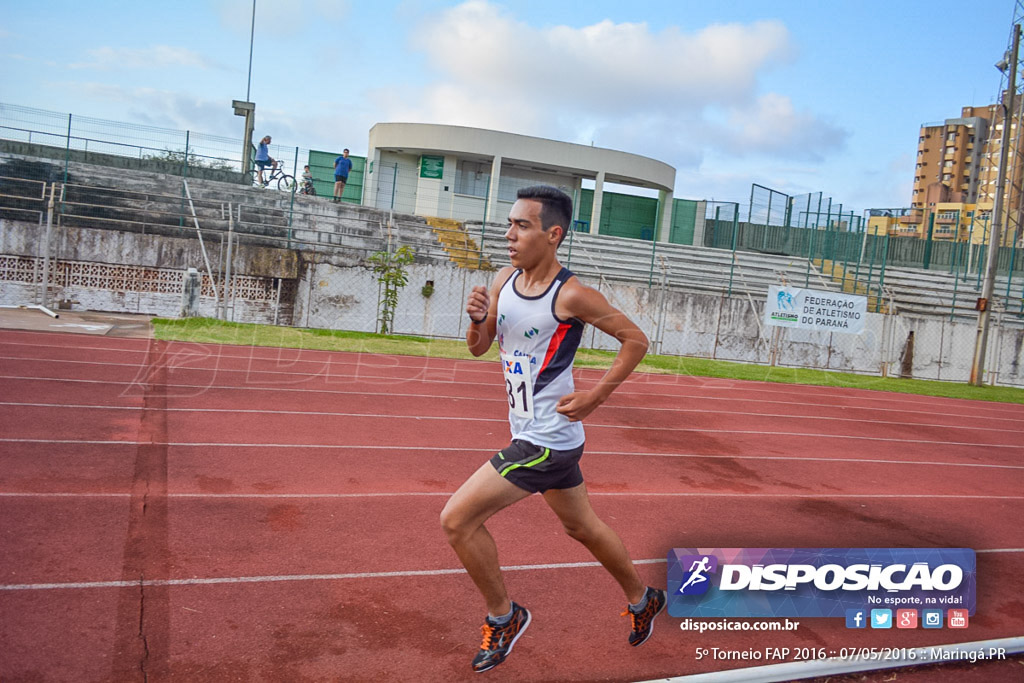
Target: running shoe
x=643 y=621
x=499 y=640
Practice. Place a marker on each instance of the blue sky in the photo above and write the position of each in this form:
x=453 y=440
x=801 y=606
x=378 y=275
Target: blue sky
x=798 y=96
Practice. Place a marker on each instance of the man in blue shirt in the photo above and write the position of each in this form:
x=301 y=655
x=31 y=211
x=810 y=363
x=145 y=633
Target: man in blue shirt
x=263 y=159
x=342 y=166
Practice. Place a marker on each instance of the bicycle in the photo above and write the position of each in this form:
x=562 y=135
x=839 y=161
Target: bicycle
x=285 y=182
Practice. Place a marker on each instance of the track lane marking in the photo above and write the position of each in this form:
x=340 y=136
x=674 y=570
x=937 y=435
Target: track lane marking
x=983 y=405
x=474 y=366
x=319 y=413
x=618 y=393
x=592 y=494
x=440 y=449
x=685 y=430
x=336 y=577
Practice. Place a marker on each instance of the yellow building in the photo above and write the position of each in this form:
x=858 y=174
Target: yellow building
x=964 y=223
x=881 y=225
x=894 y=222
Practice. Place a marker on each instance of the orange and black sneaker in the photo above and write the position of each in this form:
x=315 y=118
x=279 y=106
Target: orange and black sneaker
x=643 y=621
x=499 y=639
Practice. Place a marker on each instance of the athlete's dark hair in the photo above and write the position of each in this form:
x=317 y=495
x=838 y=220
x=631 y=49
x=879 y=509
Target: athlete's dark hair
x=556 y=206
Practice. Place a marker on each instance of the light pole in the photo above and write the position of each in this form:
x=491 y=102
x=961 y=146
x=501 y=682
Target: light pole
x=984 y=305
x=247 y=108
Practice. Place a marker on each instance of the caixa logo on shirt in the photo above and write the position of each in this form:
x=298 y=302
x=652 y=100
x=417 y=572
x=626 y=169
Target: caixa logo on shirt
x=816 y=582
x=513 y=367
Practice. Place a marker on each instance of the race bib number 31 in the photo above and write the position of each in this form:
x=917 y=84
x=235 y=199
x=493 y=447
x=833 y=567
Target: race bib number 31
x=518 y=384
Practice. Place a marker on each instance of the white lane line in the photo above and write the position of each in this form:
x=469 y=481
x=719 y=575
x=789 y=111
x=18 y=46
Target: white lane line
x=619 y=393
x=711 y=456
x=873 y=461
x=342 y=358
x=902 y=399
x=335 y=577
x=593 y=494
x=699 y=430
x=321 y=413
x=490 y=448
x=302 y=577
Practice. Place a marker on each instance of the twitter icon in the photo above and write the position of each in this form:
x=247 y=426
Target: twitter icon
x=881 y=618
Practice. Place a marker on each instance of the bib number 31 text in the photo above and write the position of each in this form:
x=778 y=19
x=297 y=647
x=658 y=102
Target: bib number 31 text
x=518 y=384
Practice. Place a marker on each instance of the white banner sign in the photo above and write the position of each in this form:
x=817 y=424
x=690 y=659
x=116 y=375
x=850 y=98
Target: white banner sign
x=810 y=309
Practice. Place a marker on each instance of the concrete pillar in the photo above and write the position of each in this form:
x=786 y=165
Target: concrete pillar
x=699 y=224
x=664 y=231
x=492 y=196
x=595 y=214
x=370 y=180
x=577 y=196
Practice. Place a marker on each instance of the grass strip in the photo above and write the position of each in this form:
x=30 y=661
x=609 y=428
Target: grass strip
x=210 y=331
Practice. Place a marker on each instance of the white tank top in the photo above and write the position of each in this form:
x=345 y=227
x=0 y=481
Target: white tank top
x=537 y=350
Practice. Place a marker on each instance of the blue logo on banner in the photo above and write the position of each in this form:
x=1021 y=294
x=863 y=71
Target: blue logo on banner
x=696 y=580
x=931 y=618
x=881 y=618
x=856 y=618
x=819 y=582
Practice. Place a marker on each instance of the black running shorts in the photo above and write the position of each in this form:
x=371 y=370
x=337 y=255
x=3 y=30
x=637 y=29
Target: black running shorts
x=536 y=468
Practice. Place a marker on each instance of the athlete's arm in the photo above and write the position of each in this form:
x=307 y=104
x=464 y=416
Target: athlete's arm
x=481 y=303
x=587 y=304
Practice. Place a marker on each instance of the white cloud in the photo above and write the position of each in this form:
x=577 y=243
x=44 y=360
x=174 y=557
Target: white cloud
x=607 y=65
x=667 y=93
x=773 y=126
x=156 y=56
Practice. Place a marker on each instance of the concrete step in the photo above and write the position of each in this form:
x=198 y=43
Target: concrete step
x=462 y=249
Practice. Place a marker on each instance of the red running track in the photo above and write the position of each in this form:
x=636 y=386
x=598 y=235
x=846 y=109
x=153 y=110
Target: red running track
x=206 y=513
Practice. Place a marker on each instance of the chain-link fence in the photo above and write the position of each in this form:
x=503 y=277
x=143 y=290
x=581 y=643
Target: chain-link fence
x=283 y=257
x=71 y=138
x=313 y=272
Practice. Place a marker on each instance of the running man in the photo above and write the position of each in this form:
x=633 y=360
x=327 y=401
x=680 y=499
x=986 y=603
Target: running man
x=697 y=570
x=537 y=310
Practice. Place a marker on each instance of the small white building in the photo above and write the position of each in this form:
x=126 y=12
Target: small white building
x=467 y=173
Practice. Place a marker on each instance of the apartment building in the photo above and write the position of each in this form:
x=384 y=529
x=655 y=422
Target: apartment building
x=957 y=167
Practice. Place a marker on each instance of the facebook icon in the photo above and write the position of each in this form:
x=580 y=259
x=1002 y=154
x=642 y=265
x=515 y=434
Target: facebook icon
x=856 y=618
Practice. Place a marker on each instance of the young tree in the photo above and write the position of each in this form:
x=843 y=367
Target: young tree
x=391 y=274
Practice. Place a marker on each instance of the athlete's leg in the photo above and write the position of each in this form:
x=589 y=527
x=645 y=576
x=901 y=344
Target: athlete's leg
x=581 y=523
x=483 y=494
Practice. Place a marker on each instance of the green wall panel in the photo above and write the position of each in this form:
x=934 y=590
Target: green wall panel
x=684 y=220
x=321 y=164
x=622 y=215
